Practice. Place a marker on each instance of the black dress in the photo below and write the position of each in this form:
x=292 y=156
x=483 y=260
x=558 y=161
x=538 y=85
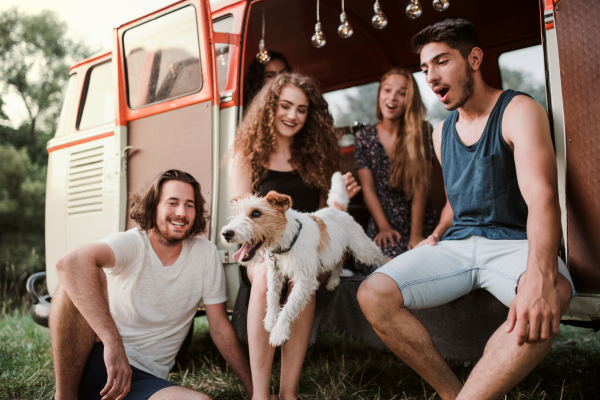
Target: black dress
x=305 y=198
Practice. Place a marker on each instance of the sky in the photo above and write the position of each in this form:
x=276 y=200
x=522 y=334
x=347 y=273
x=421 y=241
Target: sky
x=93 y=22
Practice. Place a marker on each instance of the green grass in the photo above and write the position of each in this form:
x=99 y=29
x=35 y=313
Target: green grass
x=335 y=368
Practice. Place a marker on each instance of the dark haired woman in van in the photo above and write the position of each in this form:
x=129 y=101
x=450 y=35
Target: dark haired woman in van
x=393 y=159
x=287 y=143
x=259 y=75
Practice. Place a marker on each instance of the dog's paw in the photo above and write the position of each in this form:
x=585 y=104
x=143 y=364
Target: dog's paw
x=279 y=335
x=332 y=284
x=269 y=322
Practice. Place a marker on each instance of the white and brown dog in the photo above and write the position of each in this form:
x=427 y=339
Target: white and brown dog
x=297 y=246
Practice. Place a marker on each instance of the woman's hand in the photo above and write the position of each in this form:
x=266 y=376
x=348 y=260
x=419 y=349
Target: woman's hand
x=386 y=236
x=415 y=241
x=351 y=185
x=431 y=240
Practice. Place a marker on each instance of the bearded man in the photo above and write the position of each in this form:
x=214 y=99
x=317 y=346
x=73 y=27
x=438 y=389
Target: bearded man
x=499 y=230
x=125 y=304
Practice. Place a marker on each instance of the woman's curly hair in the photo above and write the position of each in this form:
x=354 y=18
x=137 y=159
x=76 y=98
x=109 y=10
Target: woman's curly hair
x=315 y=152
x=143 y=206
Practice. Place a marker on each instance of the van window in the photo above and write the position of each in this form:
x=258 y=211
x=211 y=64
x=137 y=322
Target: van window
x=224 y=25
x=98 y=105
x=523 y=70
x=162 y=58
x=353 y=105
x=67 y=108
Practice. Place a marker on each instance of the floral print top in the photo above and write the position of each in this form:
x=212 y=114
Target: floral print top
x=370 y=154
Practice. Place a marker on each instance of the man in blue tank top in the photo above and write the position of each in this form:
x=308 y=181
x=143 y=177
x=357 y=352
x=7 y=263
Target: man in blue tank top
x=499 y=230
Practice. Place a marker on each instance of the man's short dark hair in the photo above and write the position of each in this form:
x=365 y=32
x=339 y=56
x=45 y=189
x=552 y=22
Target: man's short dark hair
x=459 y=34
x=143 y=206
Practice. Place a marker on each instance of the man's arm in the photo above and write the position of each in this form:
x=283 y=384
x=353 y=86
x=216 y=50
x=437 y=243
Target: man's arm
x=447 y=213
x=78 y=274
x=223 y=335
x=535 y=311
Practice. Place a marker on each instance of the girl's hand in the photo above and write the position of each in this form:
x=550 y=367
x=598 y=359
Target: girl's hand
x=387 y=236
x=414 y=241
x=351 y=185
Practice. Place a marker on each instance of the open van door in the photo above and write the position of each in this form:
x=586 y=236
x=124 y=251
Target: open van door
x=572 y=54
x=168 y=103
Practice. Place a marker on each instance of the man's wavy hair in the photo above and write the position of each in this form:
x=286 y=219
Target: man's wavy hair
x=458 y=33
x=315 y=152
x=143 y=206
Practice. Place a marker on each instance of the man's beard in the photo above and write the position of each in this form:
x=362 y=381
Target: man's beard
x=169 y=240
x=466 y=84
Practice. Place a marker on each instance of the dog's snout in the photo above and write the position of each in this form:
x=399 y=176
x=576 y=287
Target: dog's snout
x=228 y=235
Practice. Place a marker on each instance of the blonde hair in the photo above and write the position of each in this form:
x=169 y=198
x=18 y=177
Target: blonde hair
x=315 y=153
x=409 y=168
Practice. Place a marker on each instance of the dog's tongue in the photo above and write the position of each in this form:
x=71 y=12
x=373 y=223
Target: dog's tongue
x=241 y=253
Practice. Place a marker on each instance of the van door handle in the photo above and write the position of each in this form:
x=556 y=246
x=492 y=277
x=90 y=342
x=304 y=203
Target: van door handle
x=124 y=151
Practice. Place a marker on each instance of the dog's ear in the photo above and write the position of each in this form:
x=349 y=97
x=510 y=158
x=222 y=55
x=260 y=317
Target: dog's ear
x=235 y=199
x=281 y=201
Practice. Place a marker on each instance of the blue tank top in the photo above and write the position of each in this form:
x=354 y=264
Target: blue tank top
x=481 y=181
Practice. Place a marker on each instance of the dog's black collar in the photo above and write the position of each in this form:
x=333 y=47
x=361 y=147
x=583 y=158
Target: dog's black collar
x=281 y=251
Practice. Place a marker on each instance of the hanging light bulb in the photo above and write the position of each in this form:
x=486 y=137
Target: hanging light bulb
x=379 y=19
x=345 y=29
x=263 y=55
x=414 y=10
x=318 y=39
x=441 y=5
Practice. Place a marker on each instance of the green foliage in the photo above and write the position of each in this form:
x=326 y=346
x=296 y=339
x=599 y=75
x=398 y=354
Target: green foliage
x=335 y=368
x=34 y=62
x=22 y=196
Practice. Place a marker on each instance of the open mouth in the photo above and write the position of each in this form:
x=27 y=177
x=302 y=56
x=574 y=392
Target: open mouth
x=391 y=107
x=289 y=124
x=246 y=252
x=178 y=224
x=442 y=93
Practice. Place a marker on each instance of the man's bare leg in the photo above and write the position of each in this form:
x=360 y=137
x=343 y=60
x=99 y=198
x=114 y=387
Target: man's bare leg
x=178 y=393
x=504 y=363
x=404 y=334
x=72 y=339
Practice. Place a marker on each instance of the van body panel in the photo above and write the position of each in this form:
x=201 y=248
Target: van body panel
x=56 y=215
x=580 y=72
x=180 y=139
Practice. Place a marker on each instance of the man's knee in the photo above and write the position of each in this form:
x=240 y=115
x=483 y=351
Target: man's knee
x=564 y=289
x=379 y=290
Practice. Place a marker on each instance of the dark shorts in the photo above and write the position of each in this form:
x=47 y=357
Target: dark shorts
x=143 y=384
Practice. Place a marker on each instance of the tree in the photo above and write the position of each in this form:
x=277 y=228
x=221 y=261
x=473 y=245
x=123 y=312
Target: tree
x=35 y=55
x=524 y=82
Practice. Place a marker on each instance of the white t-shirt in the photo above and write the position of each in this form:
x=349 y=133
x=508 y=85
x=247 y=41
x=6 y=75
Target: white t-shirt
x=153 y=305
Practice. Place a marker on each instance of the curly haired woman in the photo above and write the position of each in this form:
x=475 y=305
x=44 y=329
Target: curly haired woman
x=286 y=143
x=393 y=159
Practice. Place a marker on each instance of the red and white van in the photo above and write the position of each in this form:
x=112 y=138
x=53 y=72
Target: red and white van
x=168 y=95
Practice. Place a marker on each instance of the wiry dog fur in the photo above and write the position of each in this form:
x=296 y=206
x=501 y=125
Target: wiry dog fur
x=266 y=225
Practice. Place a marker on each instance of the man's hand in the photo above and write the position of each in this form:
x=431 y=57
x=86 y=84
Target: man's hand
x=386 y=236
x=535 y=311
x=431 y=240
x=351 y=185
x=118 y=382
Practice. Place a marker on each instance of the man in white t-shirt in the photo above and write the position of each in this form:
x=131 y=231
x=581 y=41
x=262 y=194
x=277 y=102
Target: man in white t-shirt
x=126 y=304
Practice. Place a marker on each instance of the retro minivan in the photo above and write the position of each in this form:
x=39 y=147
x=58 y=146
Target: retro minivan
x=169 y=94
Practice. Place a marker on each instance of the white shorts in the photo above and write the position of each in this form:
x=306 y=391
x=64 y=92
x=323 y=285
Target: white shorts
x=430 y=276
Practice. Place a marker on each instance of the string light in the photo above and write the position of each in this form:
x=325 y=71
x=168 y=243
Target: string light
x=414 y=9
x=318 y=39
x=441 y=5
x=345 y=29
x=263 y=55
x=379 y=19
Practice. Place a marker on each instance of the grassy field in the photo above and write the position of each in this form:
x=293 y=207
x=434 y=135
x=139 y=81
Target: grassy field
x=335 y=368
